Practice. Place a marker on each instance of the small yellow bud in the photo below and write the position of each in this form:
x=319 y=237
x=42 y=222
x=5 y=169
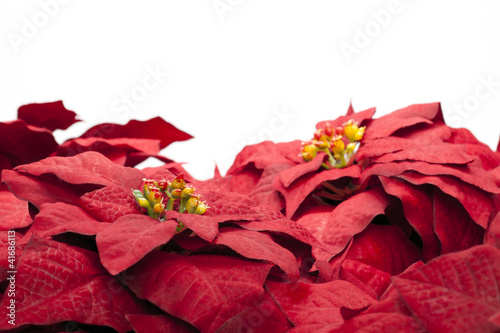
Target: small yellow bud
x=179 y=183
x=309 y=152
x=187 y=192
x=350 y=147
x=201 y=208
x=359 y=134
x=144 y=203
x=155 y=197
x=159 y=208
x=191 y=204
x=176 y=194
x=338 y=147
x=350 y=130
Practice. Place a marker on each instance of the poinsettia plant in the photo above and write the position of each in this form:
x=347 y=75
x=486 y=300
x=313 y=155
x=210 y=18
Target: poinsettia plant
x=387 y=224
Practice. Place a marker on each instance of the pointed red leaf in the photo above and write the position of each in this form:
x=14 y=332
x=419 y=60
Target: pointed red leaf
x=305 y=185
x=457 y=292
x=290 y=175
x=22 y=143
x=453 y=225
x=109 y=203
x=372 y=281
x=384 y=247
x=264 y=317
x=204 y=290
x=263 y=192
x=56 y=282
x=13 y=212
x=358 y=117
x=334 y=228
x=260 y=246
x=48 y=115
x=155 y=128
x=266 y=153
x=206 y=227
x=418 y=210
x=58 y=218
x=478 y=203
x=307 y=304
x=130 y=238
x=429 y=150
x=409 y=116
x=472 y=173
x=379 y=322
x=40 y=190
x=86 y=168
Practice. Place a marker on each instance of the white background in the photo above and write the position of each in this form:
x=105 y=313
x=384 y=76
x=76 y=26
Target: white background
x=234 y=65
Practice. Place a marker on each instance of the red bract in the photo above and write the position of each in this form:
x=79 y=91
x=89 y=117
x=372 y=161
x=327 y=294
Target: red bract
x=128 y=144
x=51 y=116
x=30 y=138
x=56 y=282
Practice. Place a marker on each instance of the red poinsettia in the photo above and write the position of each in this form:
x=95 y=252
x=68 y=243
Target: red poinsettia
x=205 y=273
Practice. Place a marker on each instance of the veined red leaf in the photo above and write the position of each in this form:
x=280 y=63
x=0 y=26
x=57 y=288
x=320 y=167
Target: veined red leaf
x=256 y=245
x=457 y=292
x=204 y=290
x=56 y=282
x=109 y=203
x=85 y=168
x=130 y=238
x=307 y=304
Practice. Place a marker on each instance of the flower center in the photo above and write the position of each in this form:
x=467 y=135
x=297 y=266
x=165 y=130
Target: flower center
x=339 y=144
x=157 y=197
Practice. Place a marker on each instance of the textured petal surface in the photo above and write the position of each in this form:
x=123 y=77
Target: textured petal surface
x=204 y=290
x=47 y=115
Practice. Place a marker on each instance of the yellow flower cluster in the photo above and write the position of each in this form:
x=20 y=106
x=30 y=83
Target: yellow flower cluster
x=339 y=144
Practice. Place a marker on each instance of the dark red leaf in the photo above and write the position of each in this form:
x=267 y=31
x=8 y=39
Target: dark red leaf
x=48 y=115
x=256 y=245
x=372 y=281
x=478 y=203
x=130 y=238
x=264 y=317
x=40 y=190
x=305 y=185
x=307 y=304
x=452 y=224
x=384 y=247
x=457 y=292
x=109 y=203
x=58 y=218
x=22 y=143
x=13 y=212
x=334 y=228
x=159 y=324
x=379 y=322
x=204 y=290
x=156 y=128
x=56 y=282
x=418 y=210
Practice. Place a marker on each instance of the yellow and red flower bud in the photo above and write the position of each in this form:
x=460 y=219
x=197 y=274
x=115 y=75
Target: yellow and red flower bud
x=328 y=130
x=176 y=194
x=178 y=182
x=309 y=152
x=155 y=196
x=162 y=184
